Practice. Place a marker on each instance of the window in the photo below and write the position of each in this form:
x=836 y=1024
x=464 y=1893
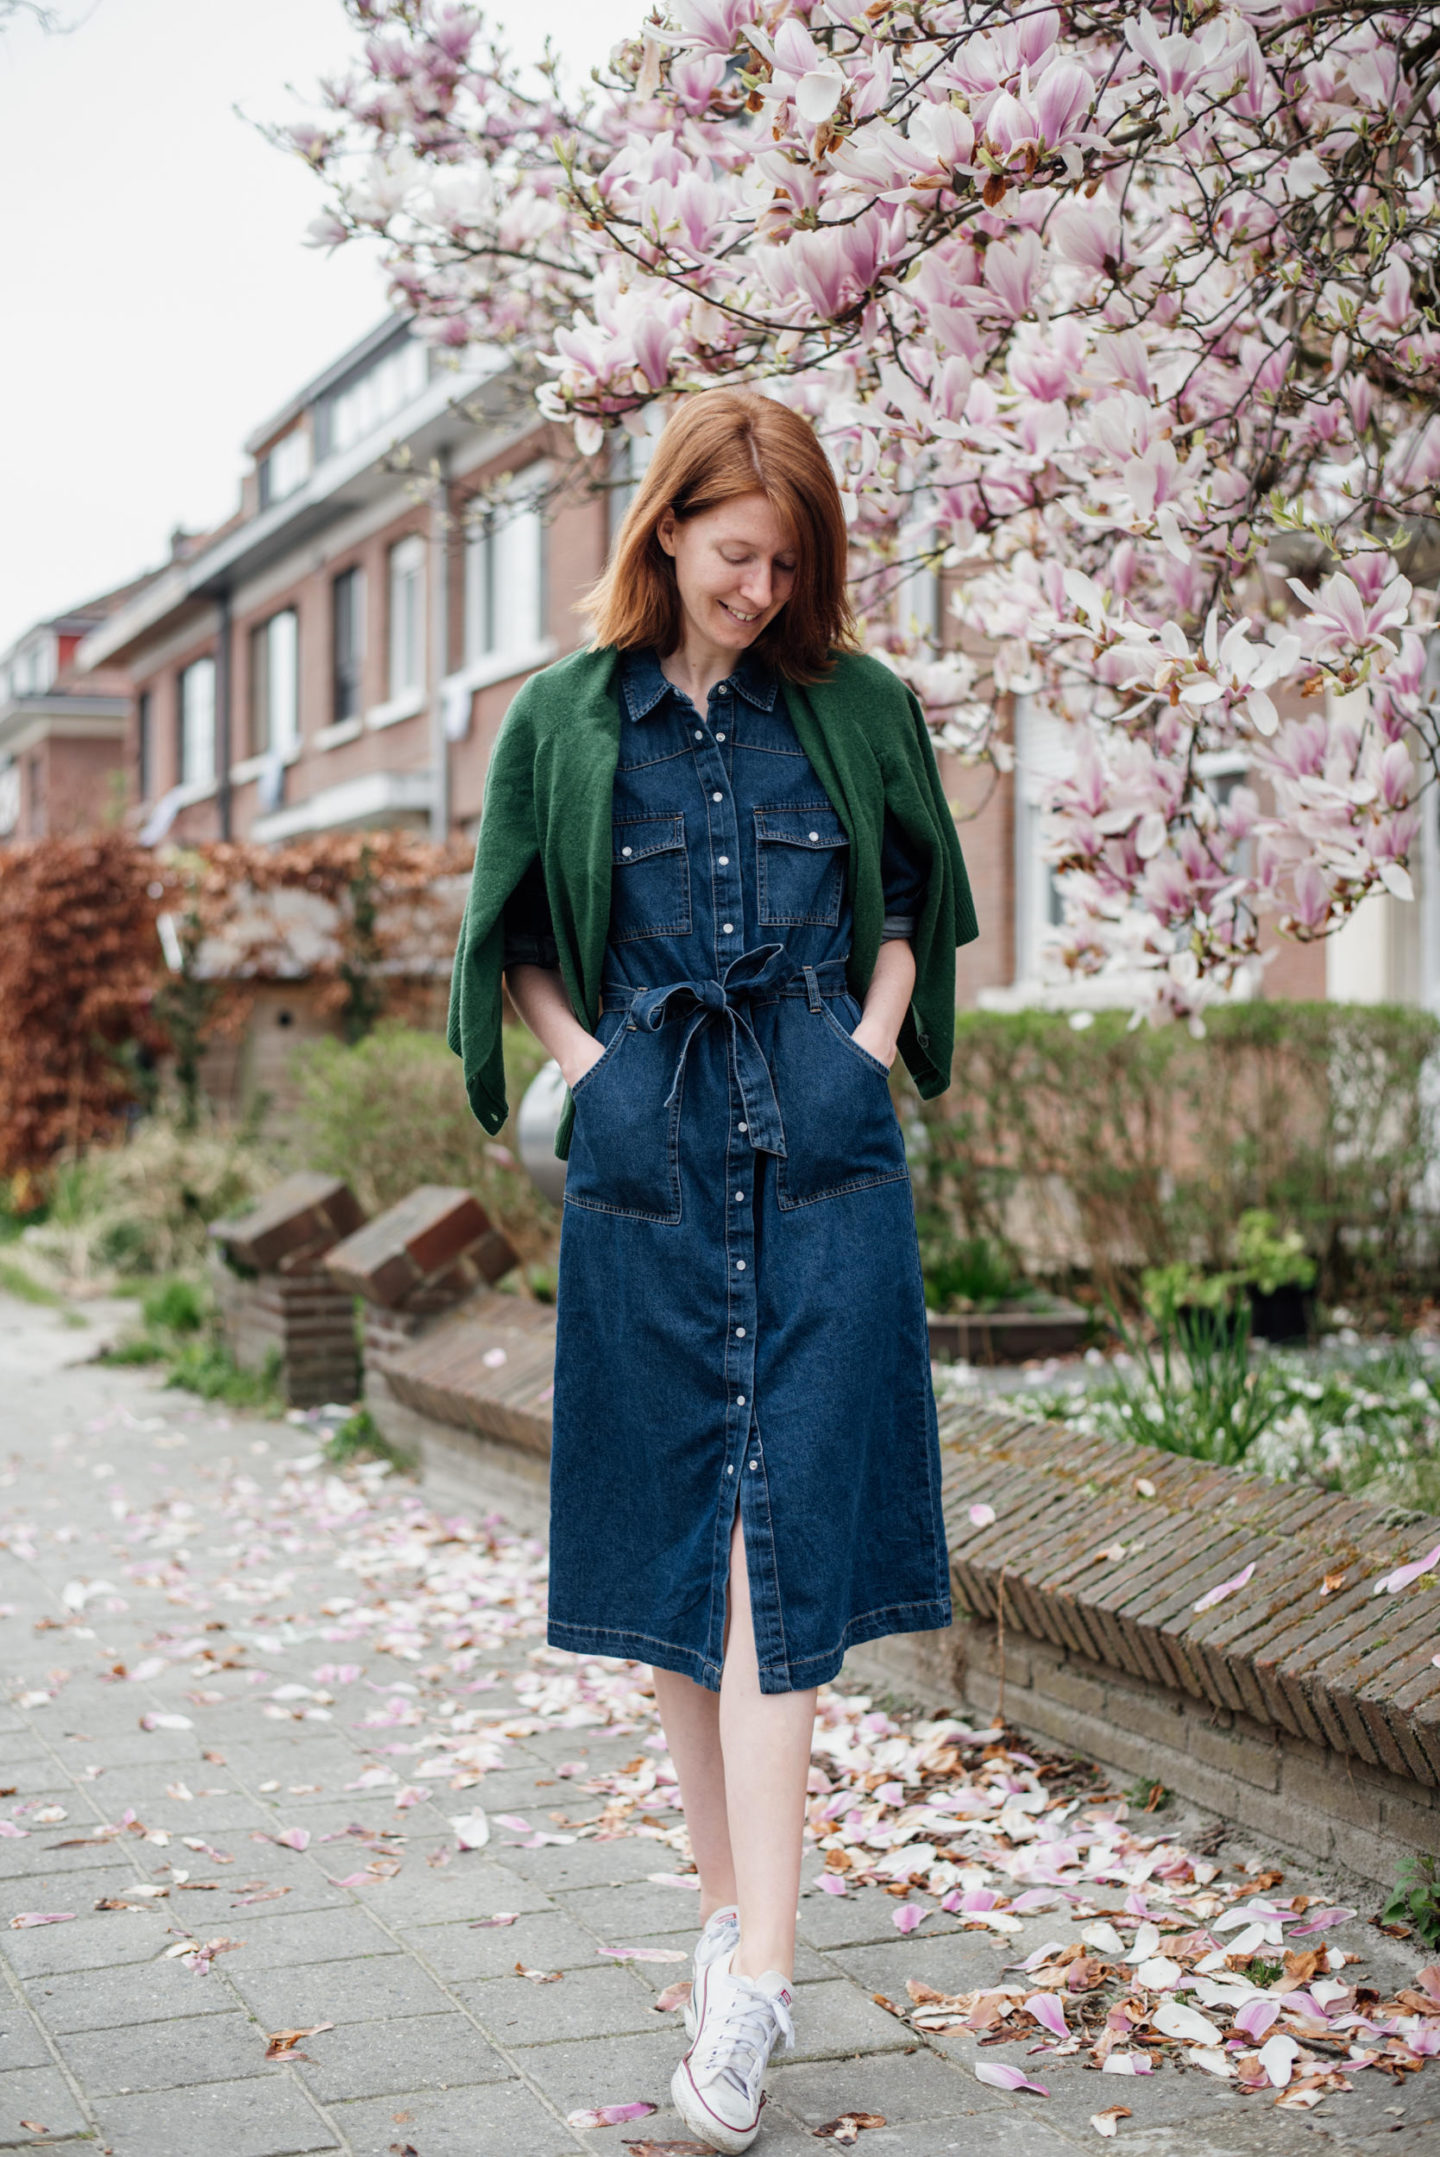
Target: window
x=369 y=399
x=9 y=797
x=407 y=615
x=1042 y=755
x=630 y=456
x=143 y=751
x=285 y=467
x=347 y=643
x=505 y=571
x=32 y=670
x=197 y=724
x=275 y=685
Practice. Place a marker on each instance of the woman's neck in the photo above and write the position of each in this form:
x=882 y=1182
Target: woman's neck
x=698 y=668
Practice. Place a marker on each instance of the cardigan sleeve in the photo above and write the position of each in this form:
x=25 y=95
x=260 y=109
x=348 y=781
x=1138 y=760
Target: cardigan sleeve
x=529 y=929
x=504 y=852
x=902 y=881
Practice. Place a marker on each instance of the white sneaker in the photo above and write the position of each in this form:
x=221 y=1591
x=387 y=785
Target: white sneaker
x=718 y=2088
x=722 y=1930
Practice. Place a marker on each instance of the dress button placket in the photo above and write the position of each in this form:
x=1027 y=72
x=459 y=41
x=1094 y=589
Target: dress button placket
x=728 y=932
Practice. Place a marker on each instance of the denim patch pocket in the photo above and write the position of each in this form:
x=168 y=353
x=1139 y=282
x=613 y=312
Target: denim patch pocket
x=650 y=878
x=624 y=1148
x=801 y=853
x=841 y=1130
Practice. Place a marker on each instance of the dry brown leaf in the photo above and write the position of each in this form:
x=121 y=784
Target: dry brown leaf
x=642 y=2148
x=849 y=2126
x=889 y=2006
x=1303 y=1963
x=1106 y=2122
x=34 y=2127
x=280 y=2044
x=538 y=1977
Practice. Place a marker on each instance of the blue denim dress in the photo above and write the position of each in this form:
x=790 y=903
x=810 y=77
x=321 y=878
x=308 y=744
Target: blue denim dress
x=741 y=1315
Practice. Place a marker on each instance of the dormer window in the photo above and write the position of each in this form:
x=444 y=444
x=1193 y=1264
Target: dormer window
x=285 y=466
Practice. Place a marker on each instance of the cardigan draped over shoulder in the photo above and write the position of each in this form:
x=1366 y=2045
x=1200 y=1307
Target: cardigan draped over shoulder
x=547 y=812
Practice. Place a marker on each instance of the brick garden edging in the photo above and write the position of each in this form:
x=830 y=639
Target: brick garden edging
x=1312 y=1719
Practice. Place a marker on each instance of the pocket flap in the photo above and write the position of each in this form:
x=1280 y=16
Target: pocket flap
x=642 y=835
x=815 y=829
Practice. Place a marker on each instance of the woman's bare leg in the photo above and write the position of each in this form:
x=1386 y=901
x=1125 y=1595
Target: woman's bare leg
x=690 y=1716
x=765 y=1740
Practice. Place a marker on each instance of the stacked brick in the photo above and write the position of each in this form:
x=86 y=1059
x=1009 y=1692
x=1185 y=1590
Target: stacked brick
x=278 y=1305
x=415 y=1262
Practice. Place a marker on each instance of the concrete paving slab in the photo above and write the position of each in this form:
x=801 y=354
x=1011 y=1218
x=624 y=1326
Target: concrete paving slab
x=254 y=2118
x=375 y=2059
x=496 y=2119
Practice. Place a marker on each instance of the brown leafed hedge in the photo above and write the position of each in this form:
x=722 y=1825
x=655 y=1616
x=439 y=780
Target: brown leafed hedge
x=86 y=997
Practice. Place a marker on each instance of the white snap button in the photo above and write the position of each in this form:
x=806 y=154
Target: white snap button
x=739 y=1333
x=727 y=928
x=719 y=737
x=698 y=735
x=740 y=1400
x=717 y=797
x=814 y=834
x=754 y=1463
x=739 y=1265
x=626 y=850
x=739 y=1195
x=724 y=860
x=742 y=1126
x=730 y=1471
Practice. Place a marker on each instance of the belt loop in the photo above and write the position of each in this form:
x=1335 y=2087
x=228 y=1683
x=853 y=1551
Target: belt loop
x=812 y=989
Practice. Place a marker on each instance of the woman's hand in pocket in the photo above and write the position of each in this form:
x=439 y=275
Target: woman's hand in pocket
x=582 y=1058
x=870 y=1037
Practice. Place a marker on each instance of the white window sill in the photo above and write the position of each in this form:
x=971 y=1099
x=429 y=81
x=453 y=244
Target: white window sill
x=407 y=705
x=490 y=667
x=192 y=790
x=250 y=767
x=336 y=736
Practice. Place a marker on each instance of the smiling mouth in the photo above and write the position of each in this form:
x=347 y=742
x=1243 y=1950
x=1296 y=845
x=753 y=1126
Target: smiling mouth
x=736 y=616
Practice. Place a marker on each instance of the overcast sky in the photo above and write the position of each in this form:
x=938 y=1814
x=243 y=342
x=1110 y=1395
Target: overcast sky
x=158 y=299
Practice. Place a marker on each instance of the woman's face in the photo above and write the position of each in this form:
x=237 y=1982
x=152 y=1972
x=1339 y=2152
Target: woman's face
x=735 y=569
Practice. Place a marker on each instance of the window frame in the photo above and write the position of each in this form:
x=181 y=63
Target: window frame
x=200 y=668
x=405 y=670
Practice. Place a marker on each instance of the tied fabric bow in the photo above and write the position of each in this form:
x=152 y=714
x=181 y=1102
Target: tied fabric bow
x=749 y=974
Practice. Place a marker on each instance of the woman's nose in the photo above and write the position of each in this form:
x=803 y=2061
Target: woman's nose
x=756 y=589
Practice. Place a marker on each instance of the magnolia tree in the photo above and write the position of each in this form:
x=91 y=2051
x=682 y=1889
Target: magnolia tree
x=1130 y=320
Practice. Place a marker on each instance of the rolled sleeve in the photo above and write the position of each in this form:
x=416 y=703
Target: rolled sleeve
x=902 y=882
x=528 y=928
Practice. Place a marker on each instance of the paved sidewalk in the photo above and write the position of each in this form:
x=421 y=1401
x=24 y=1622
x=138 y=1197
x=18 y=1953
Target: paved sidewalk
x=195 y=1668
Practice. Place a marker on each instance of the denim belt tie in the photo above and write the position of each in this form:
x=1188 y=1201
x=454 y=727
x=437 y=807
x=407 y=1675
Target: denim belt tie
x=766 y=971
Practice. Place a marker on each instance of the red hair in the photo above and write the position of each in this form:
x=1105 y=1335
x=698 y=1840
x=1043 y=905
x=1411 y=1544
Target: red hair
x=718 y=445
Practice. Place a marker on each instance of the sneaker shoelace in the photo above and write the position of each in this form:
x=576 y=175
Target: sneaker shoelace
x=743 y=2034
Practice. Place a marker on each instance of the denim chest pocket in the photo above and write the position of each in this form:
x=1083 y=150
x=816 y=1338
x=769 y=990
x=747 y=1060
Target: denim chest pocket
x=649 y=877
x=801 y=852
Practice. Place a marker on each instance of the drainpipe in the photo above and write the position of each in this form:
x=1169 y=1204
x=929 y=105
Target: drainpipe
x=439 y=648
x=222 y=713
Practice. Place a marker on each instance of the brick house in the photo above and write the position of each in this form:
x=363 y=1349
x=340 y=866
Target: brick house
x=63 y=758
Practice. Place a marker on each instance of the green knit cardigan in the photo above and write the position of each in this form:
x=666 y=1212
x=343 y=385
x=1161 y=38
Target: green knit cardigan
x=548 y=795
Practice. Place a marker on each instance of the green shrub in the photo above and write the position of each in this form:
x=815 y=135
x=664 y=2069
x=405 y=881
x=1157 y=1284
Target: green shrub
x=178 y=1304
x=141 y=1209
x=1098 y=1152
x=1416 y=1899
x=391 y=1112
x=964 y=1273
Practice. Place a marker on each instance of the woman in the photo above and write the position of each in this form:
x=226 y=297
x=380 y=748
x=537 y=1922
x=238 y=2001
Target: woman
x=717 y=869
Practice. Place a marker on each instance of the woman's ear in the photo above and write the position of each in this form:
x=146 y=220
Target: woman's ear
x=665 y=530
